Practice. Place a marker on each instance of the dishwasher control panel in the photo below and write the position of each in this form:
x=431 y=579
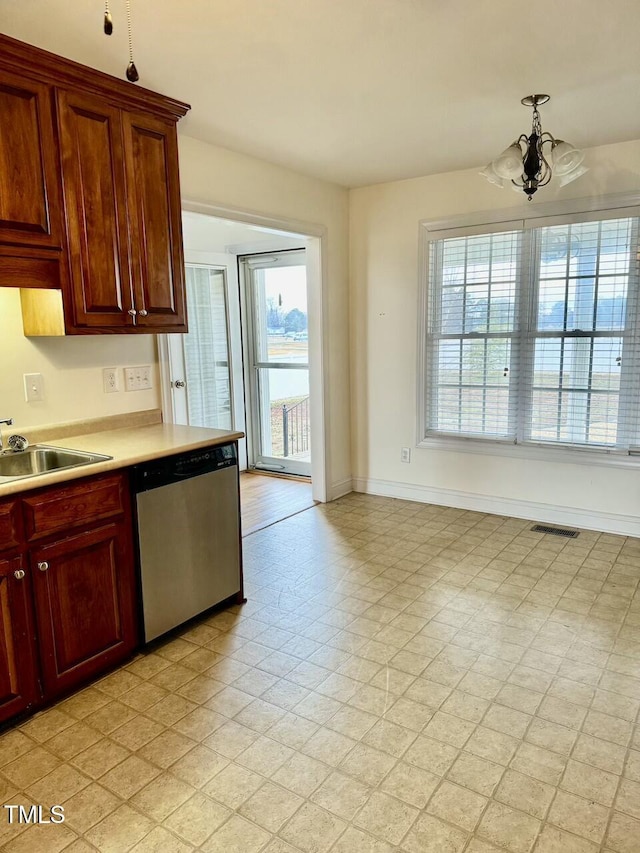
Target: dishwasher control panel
x=170 y=469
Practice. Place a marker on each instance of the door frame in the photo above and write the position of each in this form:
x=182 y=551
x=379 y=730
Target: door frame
x=314 y=239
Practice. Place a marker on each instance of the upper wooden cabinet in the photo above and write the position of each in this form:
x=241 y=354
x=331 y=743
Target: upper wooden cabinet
x=89 y=197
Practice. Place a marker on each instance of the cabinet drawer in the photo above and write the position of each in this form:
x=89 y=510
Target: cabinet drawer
x=9 y=525
x=78 y=505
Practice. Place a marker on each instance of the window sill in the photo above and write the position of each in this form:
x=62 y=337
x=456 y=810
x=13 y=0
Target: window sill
x=562 y=455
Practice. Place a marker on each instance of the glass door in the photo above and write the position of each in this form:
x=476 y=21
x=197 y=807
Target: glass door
x=278 y=362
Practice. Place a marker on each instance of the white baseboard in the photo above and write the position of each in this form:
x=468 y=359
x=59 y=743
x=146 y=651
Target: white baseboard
x=604 y=522
x=339 y=489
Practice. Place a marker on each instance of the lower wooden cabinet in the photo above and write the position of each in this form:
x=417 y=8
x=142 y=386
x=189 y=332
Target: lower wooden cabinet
x=68 y=603
x=18 y=667
x=84 y=603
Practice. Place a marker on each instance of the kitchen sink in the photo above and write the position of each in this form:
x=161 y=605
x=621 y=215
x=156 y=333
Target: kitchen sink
x=41 y=459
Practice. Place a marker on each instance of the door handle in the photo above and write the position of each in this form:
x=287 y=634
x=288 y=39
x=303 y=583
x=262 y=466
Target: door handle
x=179 y=383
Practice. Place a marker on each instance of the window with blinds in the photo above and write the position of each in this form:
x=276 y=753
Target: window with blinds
x=533 y=335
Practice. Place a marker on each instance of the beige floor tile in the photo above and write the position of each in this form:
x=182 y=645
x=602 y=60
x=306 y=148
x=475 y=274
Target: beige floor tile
x=89 y=806
x=237 y=835
x=386 y=817
x=233 y=785
x=120 y=831
x=313 y=829
x=457 y=805
x=367 y=764
x=519 y=698
x=389 y=737
x=410 y=714
x=508 y=828
x=476 y=773
x=301 y=774
x=59 y=785
x=553 y=840
x=590 y=783
x=354 y=841
x=293 y=731
x=432 y=755
x=342 y=795
x=477 y=845
x=31 y=766
x=231 y=739
x=632 y=769
x=430 y=835
x=160 y=840
x=198 y=766
x=197 y=818
x=449 y=729
x=328 y=746
x=13 y=743
x=599 y=753
x=410 y=784
x=607 y=727
x=494 y=746
x=161 y=796
x=167 y=748
x=506 y=720
x=137 y=732
x=41 y=839
x=551 y=736
x=128 y=777
x=525 y=793
x=628 y=799
x=47 y=724
x=465 y=705
x=623 y=834
x=352 y=722
x=582 y=817
x=73 y=740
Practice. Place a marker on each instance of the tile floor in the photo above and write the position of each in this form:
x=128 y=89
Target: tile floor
x=404 y=677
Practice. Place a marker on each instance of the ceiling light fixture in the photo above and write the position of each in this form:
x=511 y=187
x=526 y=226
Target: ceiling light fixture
x=526 y=162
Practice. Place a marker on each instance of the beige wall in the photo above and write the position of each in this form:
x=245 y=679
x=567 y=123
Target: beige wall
x=227 y=179
x=384 y=298
x=71 y=369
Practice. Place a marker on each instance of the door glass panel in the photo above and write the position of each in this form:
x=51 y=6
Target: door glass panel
x=280 y=295
x=284 y=414
x=206 y=349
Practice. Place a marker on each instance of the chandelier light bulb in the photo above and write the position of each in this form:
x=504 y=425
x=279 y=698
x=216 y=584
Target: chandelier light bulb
x=509 y=164
x=566 y=157
x=492 y=176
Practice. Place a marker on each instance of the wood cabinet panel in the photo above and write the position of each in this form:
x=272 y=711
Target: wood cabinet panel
x=156 y=228
x=10 y=526
x=18 y=673
x=84 y=594
x=95 y=203
x=78 y=505
x=30 y=212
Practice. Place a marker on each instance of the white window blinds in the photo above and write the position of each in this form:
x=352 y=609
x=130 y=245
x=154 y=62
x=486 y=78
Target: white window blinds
x=533 y=335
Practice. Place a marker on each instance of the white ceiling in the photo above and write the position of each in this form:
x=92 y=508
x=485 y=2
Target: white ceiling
x=364 y=91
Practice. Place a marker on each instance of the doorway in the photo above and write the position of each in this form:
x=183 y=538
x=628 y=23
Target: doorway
x=222 y=390
x=277 y=359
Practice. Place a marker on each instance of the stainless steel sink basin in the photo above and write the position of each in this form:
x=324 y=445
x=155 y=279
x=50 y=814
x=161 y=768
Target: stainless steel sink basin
x=41 y=459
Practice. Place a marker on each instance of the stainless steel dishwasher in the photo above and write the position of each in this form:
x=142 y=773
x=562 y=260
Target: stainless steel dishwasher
x=188 y=521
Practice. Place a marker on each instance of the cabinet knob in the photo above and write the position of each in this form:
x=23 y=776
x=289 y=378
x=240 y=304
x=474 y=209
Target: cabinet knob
x=43 y=566
x=18 y=574
x=143 y=312
x=132 y=311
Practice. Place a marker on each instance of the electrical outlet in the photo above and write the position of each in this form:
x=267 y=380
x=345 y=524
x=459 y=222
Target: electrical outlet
x=138 y=378
x=110 y=380
x=405 y=454
x=33 y=387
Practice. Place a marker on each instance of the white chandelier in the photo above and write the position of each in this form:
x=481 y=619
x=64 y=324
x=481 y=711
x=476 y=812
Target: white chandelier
x=529 y=165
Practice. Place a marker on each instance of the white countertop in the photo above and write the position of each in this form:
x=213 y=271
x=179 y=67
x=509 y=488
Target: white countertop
x=127 y=446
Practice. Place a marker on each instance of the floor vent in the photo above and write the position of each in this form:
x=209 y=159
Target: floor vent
x=555 y=531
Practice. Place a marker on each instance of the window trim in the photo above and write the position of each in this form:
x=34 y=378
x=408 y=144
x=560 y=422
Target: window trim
x=486 y=222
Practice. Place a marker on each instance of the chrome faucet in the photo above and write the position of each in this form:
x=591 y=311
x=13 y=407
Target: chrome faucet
x=8 y=422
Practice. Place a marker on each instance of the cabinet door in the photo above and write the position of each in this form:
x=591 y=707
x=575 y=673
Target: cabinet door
x=156 y=228
x=95 y=204
x=30 y=209
x=84 y=594
x=18 y=674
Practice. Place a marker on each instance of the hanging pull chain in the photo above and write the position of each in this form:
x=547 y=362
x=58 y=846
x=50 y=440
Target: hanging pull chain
x=108 y=20
x=132 y=71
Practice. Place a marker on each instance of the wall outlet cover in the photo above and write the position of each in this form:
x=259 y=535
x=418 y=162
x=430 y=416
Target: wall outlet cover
x=111 y=380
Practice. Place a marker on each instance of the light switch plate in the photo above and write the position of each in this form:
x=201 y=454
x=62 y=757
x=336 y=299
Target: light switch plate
x=33 y=387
